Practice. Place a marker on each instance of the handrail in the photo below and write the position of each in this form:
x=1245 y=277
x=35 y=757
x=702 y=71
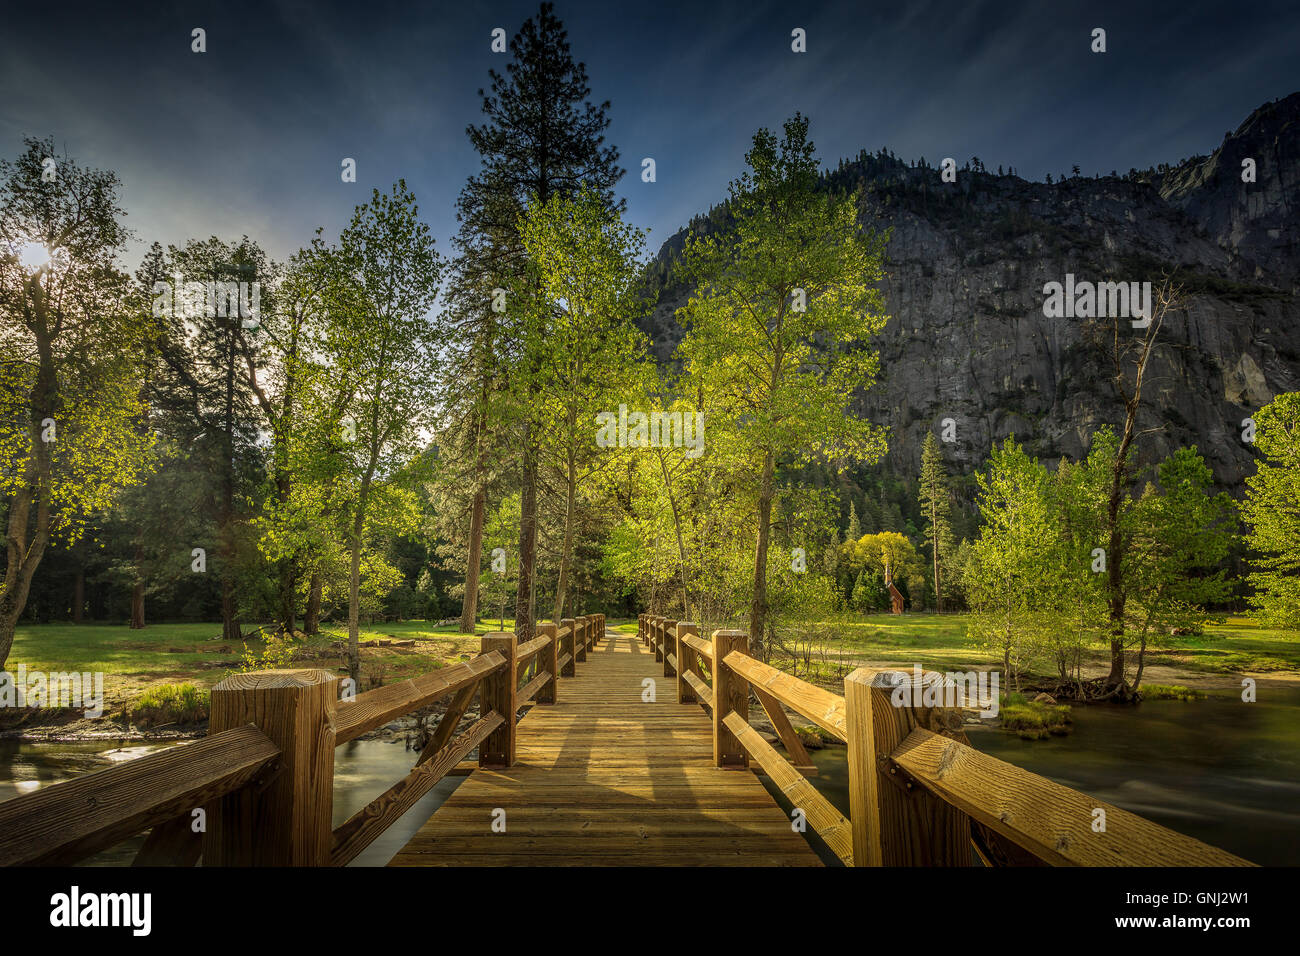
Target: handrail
x=529 y=690
x=917 y=797
x=1052 y=822
x=703 y=648
x=823 y=708
x=264 y=775
x=526 y=652
x=377 y=707
x=69 y=821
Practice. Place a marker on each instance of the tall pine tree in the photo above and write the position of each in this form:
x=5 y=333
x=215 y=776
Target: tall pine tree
x=935 y=509
x=542 y=137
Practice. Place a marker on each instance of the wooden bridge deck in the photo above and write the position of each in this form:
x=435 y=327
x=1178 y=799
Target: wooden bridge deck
x=605 y=779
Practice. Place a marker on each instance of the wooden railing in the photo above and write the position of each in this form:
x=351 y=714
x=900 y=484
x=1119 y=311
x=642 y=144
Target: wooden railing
x=258 y=790
x=919 y=794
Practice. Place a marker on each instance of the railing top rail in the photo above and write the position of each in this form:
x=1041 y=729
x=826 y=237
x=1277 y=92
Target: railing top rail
x=1051 y=821
x=69 y=821
x=823 y=708
x=377 y=707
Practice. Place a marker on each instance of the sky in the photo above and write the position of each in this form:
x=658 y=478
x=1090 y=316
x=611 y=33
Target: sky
x=248 y=137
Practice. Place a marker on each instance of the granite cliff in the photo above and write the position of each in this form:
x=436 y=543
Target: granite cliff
x=967 y=262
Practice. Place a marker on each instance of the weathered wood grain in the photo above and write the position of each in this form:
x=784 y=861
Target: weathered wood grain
x=70 y=821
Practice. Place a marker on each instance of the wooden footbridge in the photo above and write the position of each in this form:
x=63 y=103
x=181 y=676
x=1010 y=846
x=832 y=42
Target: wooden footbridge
x=633 y=750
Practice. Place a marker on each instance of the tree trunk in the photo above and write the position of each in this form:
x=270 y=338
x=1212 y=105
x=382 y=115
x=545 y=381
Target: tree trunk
x=24 y=553
x=1115 y=554
x=288 y=613
x=473 y=564
x=934 y=531
x=527 y=540
x=137 y=592
x=562 y=583
x=311 y=617
x=758 y=612
x=78 y=595
x=137 y=606
x=677 y=529
x=354 y=606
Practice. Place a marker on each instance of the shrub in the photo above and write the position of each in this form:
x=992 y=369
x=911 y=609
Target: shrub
x=1170 y=692
x=1034 y=721
x=171 y=704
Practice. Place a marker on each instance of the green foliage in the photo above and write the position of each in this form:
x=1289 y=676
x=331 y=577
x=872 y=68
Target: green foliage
x=1034 y=577
x=933 y=496
x=1170 y=692
x=70 y=329
x=1272 y=512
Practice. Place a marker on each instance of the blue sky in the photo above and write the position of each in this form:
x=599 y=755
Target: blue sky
x=248 y=137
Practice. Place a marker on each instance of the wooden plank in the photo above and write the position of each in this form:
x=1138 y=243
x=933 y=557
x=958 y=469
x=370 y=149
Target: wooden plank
x=361 y=829
x=823 y=708
x=1051 y=821
x=67 y=822
x=789 y=739
x=605 y=778
x=377 y=707
x=829 y=823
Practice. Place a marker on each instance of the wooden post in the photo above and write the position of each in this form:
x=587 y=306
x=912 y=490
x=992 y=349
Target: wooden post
x=567 y=647
x=548 y=660
x=730 y=694
x=640 y=627
x=670 y=645
x=685 y=662
x=895 y=821
x=600 y=628
x=499 y=692
x=289 y=823
x=580 y=639
x=658 y=638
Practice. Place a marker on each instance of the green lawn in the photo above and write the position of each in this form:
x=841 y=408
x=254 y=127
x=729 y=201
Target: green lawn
x=133 y=661
x=939 y=642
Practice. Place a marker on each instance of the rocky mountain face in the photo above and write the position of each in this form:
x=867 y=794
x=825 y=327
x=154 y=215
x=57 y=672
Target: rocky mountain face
x=967 y=263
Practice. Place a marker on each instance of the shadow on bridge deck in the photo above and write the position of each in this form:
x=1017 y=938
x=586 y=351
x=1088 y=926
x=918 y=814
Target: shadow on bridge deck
x=605 y=778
